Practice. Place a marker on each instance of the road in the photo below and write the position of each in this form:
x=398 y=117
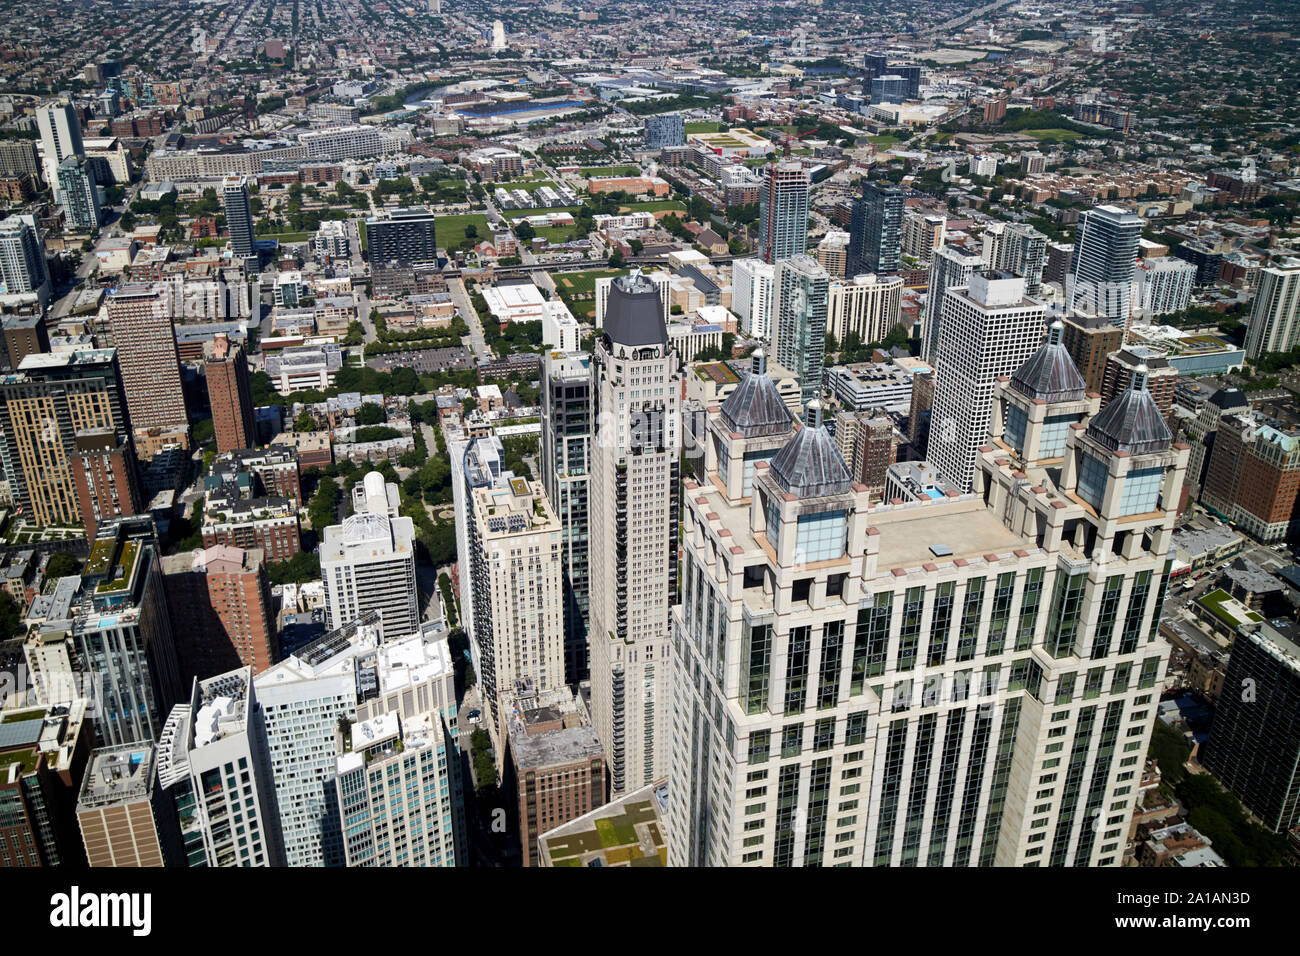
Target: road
x=460 y=299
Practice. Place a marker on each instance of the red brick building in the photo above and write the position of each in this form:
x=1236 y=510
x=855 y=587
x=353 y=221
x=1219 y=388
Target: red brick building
x=105 y=477
x=230 y=395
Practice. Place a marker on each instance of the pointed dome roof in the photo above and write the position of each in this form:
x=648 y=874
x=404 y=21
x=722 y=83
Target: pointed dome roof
x=634 y=314
x=1050 y=373
x=1132 y=421
x=809 y=465
x=755 y=408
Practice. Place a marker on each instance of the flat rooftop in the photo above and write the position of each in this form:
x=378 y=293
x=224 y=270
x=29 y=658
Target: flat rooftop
x=117 y=775
x=625 y=832
x=966 y=528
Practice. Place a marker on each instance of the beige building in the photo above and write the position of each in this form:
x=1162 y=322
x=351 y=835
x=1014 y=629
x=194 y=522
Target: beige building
x=124 y=816
x=867 y=304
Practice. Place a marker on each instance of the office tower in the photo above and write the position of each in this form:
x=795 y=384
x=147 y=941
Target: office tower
x=1089 y=339
x=876 y=229
x=950 y=267
x=868 y=445
x=222 y=615
x=18 y=158
x=140 y=318
x=874 y=65
x=911 y=74
x=555 y=765
x=664 y=130
x=956 y=640
x=866 y=304
x=890 y=88
x=476 y=463
x=239 y=218
x=566 y=472
x=1254 y=746
x=22 y=259
x=987 y=330
x=125 y=816
x=753 y=284
x=368 y=563
x=923 y=235
x=1104 y=263
x=1164 y=285
x=783 y=211
x=661 y=282
x=1252 y=476
x=23 y=335
x=229 y=394
x=43 y=756
x=105 y=477
x=1274 y=324
x=60 y=138
x=404 y=235
x=213 y=763
x=918 y=412
x=1204 y=259
x=1161 y=377
x=515 y=565
x=78 y=194
x=799 y=321
x=43 y=407
x=1018 y=249
x=636 y=387
x=393 y=792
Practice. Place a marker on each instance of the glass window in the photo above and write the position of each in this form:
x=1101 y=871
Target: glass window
x=1141 y=490
x=1093 y=475
x=821 y=536
x=1014 y=433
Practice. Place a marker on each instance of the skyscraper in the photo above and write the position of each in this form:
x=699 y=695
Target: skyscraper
x=783 y=211
x=60 y=138
x=799 y=321
x=368 y=563
x=105 y=476
x=950 y=267
x=636 y=386
x=1019 y=249
x=126 y=818
x=876 y=229
x=212 y=761
x=1274 y=324
x=22 y=260
x=753 y=296
x=666 y=129
x=140 y=317
x=1104 y=264
x=403 y=235
x=987 y=330
x=566 y=475
x=230 y=394
x=886 y=686
x=44 y=406
x=239 y=217
x=80 y=198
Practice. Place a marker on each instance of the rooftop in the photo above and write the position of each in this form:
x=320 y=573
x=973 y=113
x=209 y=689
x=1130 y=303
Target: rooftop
x=625 y=832
x=117 y=775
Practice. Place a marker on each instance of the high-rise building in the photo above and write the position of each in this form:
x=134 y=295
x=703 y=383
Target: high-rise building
x=126 y=818
x=51 y=399
x=661 y=282
x=1089 y=339
x=222 y=616
x=23 y=335
x=1164 y=285
x=368 y=564
x=515 y=566
x=566 y=474
x=664 y=130
x=890 y=88
x=1254 y=747
x=1252 y=475
x=866 y=304
x=799 y=321
x=1274 y=324
x=213 y=763
x=18 y=158
x=105 y=477
x=498 y=36
x=1203 y=258
x=43 y=757
x=22 y=260
x=987 y=330
x=230 y=394
x=634 y=494
x=1161 y=377
x=783 y=211
x=78 y=194
x=140 y=318
x=924 y=661
x=239 y=218
x=753 y=284
x=950 y=267
x=1019 y=249
x=876 y=229
x=1104 y=265
x=923 y=235
x=403 y=235
x=60 y=138
x=869 y=445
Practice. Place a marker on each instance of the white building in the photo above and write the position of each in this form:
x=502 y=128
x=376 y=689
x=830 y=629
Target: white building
x=1165 y=285
x=1274 y=324
x=984 y=165
x=23 y=272
x=368 y=564
x=304 y=367
x=560 y=329
x=634 y=489
x=987 y=330
x=867 y=304
x=950 y=267
x=60 y=138
x=343 y=142
x=753 y=296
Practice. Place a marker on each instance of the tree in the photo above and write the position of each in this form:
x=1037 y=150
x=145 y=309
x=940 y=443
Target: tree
x=11 y=616
x=61 y=564
x=304 y=422
x=370 y=414
x=524 y=232
x=616 y=259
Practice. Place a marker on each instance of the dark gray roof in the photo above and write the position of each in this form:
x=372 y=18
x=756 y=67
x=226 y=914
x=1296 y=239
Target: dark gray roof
x=1226 y=398
x=1050 y=373
x=1131 y=422
x=755 y=408
x=634 y=315
x=809 y=465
